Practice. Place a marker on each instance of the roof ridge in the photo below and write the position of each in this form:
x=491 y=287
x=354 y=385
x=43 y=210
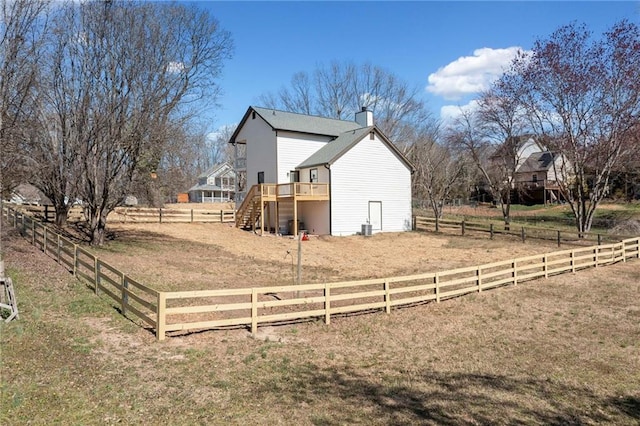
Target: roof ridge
x=301 y=113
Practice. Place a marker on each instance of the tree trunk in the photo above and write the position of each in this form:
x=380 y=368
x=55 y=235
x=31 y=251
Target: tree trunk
x=98 y=226
x=62 y=213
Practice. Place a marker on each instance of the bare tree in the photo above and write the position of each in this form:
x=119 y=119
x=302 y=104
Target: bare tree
x=496 y=162
x=439 y=168
x=21 y=26
x=127 y=71
x=339 y=90
x=583 y=95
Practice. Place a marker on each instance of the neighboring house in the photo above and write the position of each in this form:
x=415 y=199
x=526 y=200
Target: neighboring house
x=323 y=175
x=218 y=184
x=538 y=173
x=25 y=193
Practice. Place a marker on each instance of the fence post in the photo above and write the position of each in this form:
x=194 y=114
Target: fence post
x=479 y=278
x=191 y=215
x=491 y=231
x=624 y=252
x=161 y=316
x=573 y=261
x=160 y=215
x=558 y=238
x=595 y=257
x=387 y=297
x=221 y=216
x=437 y=283
x=125 y=296
x=514 y=265
x=462 y=225
x=96 y=269
x=44 y=243
x=599 y=239
x=254 y=311
x=33 y=232
x=327 y=303
x=545 y=265
x=523 y=235
x=75 y=260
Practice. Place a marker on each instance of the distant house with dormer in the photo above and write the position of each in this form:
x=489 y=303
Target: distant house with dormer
x=218 y=184
x=323 y=175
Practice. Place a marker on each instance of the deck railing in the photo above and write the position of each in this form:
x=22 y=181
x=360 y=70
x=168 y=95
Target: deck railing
x=299 y=189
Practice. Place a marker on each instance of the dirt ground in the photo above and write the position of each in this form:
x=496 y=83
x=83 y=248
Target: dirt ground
x=209 y=256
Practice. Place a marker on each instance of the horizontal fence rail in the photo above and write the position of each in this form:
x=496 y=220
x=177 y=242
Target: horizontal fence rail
x=149 y=215
x=252 y=307
x=464 y=227
x=137 y=214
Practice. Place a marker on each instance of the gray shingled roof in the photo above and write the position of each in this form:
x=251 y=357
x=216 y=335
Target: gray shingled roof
x=281 y=120
x=538 y=161
x=205 y=187
x=334 y=149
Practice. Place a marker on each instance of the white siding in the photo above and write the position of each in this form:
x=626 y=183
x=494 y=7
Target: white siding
x=261 y=150
x=293 y=149
x=323 y=174
x=370 y=171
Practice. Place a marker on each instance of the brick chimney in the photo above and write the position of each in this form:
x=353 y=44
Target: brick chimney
x=364 y=118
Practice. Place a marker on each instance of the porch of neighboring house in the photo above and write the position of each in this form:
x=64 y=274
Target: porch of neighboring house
x=211 y=195
x=538 y=191
x=264 y=205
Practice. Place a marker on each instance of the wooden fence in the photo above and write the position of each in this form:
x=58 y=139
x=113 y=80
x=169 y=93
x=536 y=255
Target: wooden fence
x=251 y=307
x=149 y=215
x=137 y=214
x=464 y=227
x=132 y=297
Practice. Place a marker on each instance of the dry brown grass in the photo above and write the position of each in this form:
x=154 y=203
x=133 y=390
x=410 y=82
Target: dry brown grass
x=560 y=351
x=210 y=256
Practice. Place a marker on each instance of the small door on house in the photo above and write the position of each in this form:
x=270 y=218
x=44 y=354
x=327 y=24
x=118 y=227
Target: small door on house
x=294 y=176
x=260 y=177
x=375 y=215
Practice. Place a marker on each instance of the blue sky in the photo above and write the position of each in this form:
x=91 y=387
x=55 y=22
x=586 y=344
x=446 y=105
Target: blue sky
x=458 y=46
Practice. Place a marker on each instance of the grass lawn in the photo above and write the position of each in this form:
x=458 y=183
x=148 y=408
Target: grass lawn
x=560 y=351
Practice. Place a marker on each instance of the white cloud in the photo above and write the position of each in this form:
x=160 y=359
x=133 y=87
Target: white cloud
x=448 y=113
x=471 y=74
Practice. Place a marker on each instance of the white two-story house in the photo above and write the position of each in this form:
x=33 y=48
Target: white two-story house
x=218 y=184
x=323 y=175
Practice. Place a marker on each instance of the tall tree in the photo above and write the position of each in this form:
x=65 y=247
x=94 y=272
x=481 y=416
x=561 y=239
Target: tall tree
x=582 y=94
x=339 y=90
x=22 y=23
x=122 y=72
x=496 y=160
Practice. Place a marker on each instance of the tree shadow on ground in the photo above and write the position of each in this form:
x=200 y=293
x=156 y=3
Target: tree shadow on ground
x=450 y=399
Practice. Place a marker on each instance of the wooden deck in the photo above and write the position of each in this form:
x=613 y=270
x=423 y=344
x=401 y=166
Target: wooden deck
x=301 y=191
x=255 y=206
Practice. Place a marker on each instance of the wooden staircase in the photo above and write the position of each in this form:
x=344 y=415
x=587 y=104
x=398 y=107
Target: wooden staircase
x=249 y=212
